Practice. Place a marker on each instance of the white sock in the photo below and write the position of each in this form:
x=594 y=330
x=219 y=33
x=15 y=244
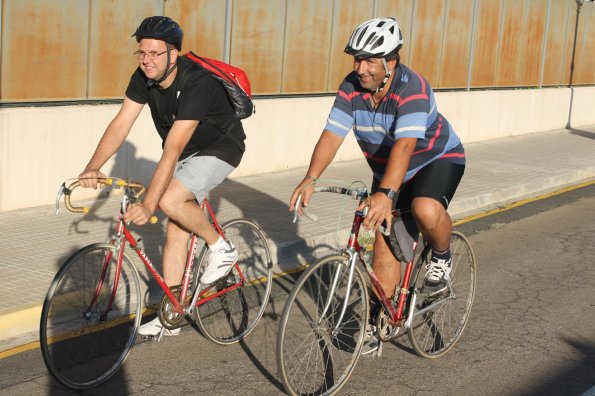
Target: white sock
x=220 y=244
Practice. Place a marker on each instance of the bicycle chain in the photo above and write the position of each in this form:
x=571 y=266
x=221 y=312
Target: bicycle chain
x=171 y=320
x=386 y=332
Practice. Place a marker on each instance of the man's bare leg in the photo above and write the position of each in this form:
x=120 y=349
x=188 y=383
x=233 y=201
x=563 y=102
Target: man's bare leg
x=185 y=217
x=386 y=267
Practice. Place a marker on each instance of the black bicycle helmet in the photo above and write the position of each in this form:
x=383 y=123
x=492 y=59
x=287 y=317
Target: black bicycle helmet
x=161 y=28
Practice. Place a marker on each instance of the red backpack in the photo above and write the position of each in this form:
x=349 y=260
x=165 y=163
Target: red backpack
x=234 y=80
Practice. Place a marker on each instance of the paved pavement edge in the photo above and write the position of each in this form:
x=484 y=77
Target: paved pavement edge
x=19 y=325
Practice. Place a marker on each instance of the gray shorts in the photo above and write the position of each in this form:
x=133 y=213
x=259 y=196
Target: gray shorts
x=201 y=174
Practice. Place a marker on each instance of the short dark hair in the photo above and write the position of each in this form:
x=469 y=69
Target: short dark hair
x=393 y=56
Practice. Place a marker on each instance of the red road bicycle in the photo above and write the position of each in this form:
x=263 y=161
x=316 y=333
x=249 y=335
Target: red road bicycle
x=93 y=307
x=326 y=315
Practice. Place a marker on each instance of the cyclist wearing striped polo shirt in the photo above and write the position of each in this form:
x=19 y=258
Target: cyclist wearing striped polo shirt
x=409 y=145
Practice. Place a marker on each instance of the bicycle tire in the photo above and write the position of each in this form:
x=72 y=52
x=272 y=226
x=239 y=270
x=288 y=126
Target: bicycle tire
x=83 y=348
x=434 y=332
x=230 y=317
x=312 y=359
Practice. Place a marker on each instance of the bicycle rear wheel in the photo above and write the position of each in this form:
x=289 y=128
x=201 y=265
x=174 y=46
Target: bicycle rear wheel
x=439 y=320
x=316 y=354
x=84 y=340
x=232 y=315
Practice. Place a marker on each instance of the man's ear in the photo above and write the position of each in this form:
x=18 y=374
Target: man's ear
x=174 y=56
x=391 y=64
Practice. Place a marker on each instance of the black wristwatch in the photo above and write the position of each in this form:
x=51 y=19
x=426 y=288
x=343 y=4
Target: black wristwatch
x=389 y=192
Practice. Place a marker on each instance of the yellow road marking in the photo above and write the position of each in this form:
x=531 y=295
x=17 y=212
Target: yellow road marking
x=37 y=307
x=521 y=203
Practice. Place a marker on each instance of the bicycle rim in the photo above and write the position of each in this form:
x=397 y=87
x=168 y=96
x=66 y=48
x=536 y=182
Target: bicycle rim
x=312 y=359
x=82 y=344
x=434 y=332
x=231 y=316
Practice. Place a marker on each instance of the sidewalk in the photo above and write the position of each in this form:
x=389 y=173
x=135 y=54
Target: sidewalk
x=35 y=241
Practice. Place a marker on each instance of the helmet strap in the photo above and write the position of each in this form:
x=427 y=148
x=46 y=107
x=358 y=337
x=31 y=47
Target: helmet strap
x=153 y=83
x=386 y=76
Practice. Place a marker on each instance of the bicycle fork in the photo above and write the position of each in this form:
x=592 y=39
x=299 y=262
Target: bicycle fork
x=333 y=288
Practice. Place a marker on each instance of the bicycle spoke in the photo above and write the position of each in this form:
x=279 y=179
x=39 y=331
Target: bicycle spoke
x=230 y=317
x=441 y=319
x=85 y=345
x=316 y=354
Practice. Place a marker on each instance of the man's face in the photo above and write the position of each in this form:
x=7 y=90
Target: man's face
x=154 y=68
x=370 y=71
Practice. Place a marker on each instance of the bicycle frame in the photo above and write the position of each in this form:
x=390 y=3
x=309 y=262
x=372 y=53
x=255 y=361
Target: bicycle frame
x=355 y=252
x=396 y=315
x=123 y=236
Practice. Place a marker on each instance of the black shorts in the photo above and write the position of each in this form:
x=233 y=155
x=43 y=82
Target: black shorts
x=438 y=180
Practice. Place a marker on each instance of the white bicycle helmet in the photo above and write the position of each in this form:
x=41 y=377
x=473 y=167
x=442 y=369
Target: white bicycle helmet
x=377 y=37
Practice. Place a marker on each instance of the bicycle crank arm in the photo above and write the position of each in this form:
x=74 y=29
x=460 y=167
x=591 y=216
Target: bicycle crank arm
x=189 y=310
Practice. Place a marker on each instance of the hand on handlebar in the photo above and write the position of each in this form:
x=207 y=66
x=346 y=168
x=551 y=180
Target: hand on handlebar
x=89 y=178
x=138 y=214
x=305 y=189
x=379 y=211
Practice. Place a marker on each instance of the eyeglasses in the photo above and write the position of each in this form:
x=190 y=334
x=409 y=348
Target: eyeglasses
x=152 y=55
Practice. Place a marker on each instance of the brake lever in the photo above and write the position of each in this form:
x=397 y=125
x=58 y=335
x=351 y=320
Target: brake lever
x=312 y=217
x=61 y=192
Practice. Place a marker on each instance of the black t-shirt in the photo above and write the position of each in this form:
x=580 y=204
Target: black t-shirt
x=200 y=98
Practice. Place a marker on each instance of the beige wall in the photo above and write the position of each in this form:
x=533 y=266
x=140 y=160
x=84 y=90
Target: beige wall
x=40 y=147
x=86 y=45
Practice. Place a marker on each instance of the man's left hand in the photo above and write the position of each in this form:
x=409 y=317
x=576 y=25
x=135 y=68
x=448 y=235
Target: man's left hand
x=379 y=211
x=139 y=214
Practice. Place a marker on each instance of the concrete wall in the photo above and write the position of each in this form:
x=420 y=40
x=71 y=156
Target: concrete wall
x=40 y=147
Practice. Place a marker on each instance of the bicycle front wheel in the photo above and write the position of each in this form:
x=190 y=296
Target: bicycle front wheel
x=230 y=308
x=90 y=317
x=318 y=344
x=439 y=320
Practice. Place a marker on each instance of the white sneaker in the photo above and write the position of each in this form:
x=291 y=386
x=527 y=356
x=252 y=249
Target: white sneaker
x=220 y=263
x=153 y=328
x=438 y=274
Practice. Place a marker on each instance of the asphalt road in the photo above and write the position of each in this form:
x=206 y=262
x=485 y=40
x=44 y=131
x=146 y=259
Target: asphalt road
x=531 y=332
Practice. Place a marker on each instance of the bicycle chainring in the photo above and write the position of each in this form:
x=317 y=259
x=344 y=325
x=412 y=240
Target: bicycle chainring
x=171 y=320
x=386 y=331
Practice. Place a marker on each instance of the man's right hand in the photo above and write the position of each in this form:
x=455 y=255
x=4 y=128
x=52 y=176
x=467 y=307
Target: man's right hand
x=306 y=193
x=89 y=178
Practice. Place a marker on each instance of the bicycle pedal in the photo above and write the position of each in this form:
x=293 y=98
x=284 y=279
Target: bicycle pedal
x=154 y=338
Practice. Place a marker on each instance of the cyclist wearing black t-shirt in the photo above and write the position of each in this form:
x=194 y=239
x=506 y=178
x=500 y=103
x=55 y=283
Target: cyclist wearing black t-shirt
x=190 y=110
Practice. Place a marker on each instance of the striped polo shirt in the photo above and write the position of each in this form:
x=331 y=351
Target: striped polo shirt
x=407 y=110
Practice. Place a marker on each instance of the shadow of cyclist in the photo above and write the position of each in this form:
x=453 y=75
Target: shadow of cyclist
x=98 y=225
x=272 y=214
x=230 y=200
x=126 y=165
x=233 y=199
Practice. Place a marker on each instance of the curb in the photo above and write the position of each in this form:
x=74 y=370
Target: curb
x=19 y=326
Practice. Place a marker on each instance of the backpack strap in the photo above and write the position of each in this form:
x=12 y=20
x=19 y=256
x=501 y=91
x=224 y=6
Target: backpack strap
x=224 y=133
